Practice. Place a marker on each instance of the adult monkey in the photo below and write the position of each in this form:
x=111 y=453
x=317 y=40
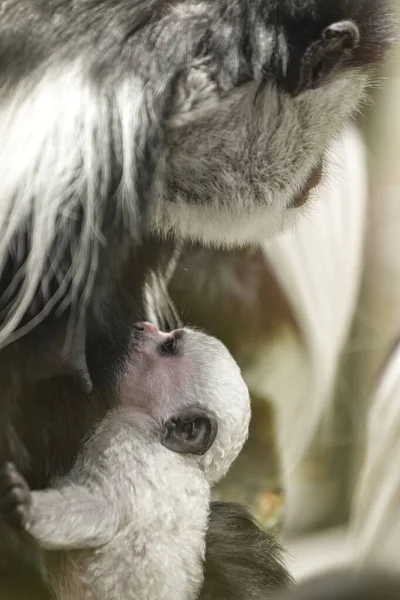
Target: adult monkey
x=124 y=120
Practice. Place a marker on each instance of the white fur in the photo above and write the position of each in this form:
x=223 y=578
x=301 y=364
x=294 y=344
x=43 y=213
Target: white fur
x=49 y=164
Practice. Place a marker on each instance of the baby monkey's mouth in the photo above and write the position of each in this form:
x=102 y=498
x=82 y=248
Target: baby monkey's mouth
x=313 y=180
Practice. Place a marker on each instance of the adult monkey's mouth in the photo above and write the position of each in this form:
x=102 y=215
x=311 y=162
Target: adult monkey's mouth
x=313 y=180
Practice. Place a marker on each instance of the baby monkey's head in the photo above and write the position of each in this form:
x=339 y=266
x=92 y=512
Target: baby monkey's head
x=189 y=382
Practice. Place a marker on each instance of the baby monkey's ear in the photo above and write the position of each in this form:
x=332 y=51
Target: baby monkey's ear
x=324 y=54
x=192 y=432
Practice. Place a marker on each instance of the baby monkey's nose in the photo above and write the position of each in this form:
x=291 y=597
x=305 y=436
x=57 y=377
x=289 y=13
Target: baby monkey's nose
x=146 y=327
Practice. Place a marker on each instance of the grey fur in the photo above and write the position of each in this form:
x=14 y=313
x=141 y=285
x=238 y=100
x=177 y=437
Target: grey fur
x=130 y=519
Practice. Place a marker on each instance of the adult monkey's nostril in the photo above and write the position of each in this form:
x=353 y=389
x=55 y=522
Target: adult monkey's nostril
x=325 y=54
x=346 y=34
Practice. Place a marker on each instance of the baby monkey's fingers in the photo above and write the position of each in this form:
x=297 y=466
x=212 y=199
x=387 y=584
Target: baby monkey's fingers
x=15 y=497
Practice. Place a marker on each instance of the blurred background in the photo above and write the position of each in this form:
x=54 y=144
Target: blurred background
x=313 y=319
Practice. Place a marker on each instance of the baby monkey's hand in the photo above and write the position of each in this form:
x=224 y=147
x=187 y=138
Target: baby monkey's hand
x=15 y=497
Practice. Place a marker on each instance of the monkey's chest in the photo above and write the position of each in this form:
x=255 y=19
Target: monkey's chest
x=146 y=564
x=159 y=552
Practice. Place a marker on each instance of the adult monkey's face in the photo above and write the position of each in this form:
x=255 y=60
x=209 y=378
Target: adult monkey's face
x=269 y=88
x=205 y=120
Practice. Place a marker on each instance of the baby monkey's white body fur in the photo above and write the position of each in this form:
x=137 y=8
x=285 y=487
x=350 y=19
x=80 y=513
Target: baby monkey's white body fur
x=130 y=520
x=138 y=512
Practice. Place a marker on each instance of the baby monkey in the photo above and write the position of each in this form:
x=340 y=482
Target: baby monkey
x=130 y=519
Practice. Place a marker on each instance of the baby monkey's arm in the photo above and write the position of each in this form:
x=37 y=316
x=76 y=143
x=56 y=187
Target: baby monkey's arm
x=68 y=518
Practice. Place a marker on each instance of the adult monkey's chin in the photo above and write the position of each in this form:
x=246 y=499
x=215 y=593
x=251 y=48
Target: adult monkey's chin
x=219 y=225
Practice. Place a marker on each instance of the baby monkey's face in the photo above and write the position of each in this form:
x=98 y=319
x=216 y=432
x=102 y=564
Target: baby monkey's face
x=166 y=371
x=171 y=376
x=160 y=370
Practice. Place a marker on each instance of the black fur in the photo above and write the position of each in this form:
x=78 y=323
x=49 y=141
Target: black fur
x=242 y=560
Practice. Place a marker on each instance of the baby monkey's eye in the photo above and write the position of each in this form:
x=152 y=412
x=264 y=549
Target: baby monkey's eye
x=170 y=346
